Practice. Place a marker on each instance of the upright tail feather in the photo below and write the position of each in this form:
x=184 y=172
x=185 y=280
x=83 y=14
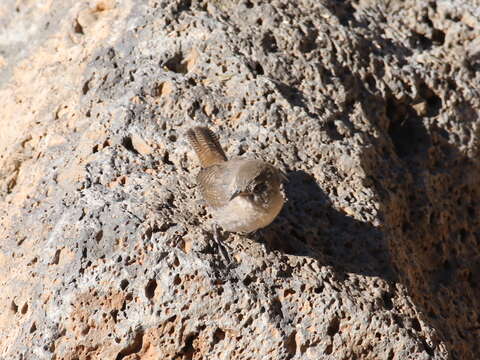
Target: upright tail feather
x=206 y=146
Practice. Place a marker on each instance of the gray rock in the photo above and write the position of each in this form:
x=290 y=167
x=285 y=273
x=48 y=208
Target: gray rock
x=371 y=109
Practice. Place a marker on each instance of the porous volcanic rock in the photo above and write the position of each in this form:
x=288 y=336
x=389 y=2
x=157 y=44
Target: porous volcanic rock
x=371 y=108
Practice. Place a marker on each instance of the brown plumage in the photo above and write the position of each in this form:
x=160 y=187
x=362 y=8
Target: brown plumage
x=243 y=194
x=206 y=146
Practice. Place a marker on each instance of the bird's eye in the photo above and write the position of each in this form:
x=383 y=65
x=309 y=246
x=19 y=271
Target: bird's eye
x=260 y=187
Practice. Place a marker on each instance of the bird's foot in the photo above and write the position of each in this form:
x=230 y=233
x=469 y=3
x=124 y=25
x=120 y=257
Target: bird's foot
x=220 y=244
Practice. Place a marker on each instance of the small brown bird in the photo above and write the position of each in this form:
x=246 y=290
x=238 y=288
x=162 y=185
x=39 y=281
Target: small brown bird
x=243 y=195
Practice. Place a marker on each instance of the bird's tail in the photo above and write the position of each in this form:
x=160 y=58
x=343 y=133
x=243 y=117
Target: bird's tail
x=206 y=146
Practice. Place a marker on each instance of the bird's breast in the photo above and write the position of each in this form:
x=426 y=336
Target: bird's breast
x=243 y=215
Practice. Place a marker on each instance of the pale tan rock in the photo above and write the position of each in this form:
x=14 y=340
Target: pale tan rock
x=140 y=145
x=372 y=109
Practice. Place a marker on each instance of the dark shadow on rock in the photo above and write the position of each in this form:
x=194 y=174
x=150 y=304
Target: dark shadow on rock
x=433 y=229
x=315 y=229
x=429 y=196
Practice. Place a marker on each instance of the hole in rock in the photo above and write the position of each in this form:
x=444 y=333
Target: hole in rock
x=333 y=327
x=150 y=288
x=123 y=284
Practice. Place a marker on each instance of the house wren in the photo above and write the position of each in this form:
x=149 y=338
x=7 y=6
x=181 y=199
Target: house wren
x=243 y=195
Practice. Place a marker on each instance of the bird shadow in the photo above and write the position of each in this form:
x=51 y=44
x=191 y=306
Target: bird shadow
x=310 y=226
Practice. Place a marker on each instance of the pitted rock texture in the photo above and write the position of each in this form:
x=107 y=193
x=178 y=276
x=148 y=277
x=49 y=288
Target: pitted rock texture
x=371 y=109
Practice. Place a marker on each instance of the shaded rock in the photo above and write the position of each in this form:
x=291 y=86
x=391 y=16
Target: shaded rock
x=371 y=109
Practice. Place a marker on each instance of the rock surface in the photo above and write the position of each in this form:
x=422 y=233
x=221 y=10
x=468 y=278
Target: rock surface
x=372 y=109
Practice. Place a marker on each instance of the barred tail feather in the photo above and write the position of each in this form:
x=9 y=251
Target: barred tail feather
x=206 y=146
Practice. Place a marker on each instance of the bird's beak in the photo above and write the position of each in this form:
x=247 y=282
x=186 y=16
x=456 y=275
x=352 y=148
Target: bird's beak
x=235 y=194
x=283 y=176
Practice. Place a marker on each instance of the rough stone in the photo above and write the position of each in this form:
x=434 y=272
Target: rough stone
x=371 y=108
